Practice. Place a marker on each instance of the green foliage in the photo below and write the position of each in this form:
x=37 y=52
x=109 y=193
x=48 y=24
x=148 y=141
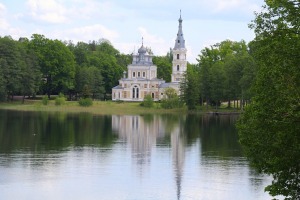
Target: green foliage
x=20 y=73
x=85 y=102
x=45 y=100
x=60 y=100
x=269 y=129
x=57 y=63
x=189 y=88
x=171 y=99
x=89 y=82
x=164 y=67
x=226 y=72
x=148 y=101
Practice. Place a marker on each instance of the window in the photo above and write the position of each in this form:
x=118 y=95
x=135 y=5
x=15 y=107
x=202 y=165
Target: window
x=177 y=56
x=177 y=67
x=135 y=92
x=144 y=74
x=133 y=74
x=152 y=95
x=178 y=41
x=139 y=74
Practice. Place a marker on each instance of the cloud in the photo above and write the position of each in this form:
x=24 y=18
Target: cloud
x=50 y=11
x=86 y=33
x=229 y=5
x=158 y=45
x=3 y=22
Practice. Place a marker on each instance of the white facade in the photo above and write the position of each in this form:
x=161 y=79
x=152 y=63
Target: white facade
x=141 y=77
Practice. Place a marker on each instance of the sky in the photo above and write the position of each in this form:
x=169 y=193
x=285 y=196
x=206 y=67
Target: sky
x=125 y=22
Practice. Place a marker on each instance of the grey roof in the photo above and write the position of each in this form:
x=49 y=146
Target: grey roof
x=167 y=85
x=118 y=87
x=179 y=42
x=164 y=85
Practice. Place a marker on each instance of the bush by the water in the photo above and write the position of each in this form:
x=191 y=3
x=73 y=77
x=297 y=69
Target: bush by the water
x=60 y=100
x=170 y=103
x=148 y=101
x=45 y=100
x=86 y=102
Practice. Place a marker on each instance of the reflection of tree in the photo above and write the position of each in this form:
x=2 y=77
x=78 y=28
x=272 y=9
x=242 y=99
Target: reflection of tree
x=218 y=136
x=52 y=131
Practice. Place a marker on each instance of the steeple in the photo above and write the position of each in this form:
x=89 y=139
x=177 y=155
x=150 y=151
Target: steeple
x=179 y=56
x=180 y=42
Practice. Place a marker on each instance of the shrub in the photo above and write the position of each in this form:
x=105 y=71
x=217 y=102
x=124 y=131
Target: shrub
x=170 y=103
x=148 y=101
x=85 y=102
x=60 y=100
x=45 y=100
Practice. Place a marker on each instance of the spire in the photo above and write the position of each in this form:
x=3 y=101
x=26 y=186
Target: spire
x=180 y=42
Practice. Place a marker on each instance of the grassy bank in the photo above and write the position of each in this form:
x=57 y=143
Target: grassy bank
x=98 y=107
x=107 y=108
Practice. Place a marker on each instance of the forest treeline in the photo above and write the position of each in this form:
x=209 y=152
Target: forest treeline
x=224 y=73
x=40 y=65
x=43 y=66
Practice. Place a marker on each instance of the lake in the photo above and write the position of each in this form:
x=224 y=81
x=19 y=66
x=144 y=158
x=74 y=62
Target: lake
x=131 y=157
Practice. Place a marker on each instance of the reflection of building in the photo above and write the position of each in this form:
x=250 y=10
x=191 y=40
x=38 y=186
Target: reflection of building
x=138 y=133
x=142 y=78
x=142 y=133
x=178 y=155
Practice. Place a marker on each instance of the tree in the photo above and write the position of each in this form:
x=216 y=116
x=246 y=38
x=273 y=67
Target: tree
x=171 y=99
x=56 y=62
x=190 y=92
x=30 y=71
x=269 y=128
x=11 y=65
x=164 y=67
x=221 y=69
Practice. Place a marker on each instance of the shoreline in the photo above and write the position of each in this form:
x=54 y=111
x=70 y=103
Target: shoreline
x=107 y=108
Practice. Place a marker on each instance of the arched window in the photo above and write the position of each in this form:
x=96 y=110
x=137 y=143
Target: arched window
x=135 y=92
x=133 y=74
x=177 y=56
x=152 y=95
x=177 y=67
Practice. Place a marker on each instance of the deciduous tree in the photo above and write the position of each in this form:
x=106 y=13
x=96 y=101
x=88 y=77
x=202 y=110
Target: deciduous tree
x=269 y=129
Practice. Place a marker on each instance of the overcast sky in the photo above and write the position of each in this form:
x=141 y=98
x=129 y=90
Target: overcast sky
x=125 y=22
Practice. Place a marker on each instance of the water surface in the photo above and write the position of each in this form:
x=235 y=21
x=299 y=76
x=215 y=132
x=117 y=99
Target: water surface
x=81 y=156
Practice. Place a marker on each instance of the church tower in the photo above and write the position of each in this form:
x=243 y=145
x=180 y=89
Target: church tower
x=179 y=56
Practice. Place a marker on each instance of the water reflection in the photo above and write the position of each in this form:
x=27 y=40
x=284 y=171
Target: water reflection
x=177 y=156
x=142 y=133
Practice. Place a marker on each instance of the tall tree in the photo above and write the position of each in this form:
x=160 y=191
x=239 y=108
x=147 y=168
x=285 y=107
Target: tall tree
x=164 y=67
x=11 y=65
x=189 y=88
x=269 y=129
x=56 y=62
x=30 y=71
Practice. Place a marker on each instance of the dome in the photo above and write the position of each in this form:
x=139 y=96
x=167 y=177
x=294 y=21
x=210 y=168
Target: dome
x=142 y=50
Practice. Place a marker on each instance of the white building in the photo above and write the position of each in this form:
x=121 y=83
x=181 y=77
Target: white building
x=142 y=74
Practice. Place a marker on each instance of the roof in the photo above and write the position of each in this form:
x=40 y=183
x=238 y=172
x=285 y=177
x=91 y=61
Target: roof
x=179 y=42
x=167 y=85
x=118 y=87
